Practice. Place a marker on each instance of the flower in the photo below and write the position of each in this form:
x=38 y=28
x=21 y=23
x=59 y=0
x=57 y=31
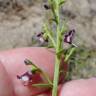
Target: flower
x=26 y=77
x=41 y=37
x=68 y=38
x=30 y=77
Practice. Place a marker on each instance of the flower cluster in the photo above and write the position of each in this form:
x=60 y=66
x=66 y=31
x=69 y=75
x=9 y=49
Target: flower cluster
x=68 y=37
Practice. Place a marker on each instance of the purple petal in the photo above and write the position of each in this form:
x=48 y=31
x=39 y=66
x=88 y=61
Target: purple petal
x=27 y=76
x=41 y=38
x=69 y=36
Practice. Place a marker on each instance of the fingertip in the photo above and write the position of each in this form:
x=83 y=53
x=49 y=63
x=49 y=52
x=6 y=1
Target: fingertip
x=82 y=87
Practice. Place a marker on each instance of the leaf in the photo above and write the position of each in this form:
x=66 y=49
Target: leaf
x=69 y=54
x=49 y=34
x=50 y=46
x=64 y=28
x=61 y=51
x=62 y=2
x=42 y=85
x=53 y=20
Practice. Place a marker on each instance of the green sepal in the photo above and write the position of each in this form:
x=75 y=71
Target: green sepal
x=34 y=68
x=45 y=36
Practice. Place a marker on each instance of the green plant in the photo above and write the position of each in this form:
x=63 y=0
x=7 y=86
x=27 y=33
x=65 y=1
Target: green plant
x=57 y=42
x=55 y=37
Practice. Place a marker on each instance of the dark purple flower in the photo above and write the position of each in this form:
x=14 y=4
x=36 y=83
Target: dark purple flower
x=41 y=38
x=26 y=77
x=68 y=38
x=29 y=78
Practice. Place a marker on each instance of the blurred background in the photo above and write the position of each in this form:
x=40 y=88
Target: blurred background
x=21 y=19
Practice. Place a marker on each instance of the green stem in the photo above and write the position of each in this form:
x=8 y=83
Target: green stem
x=55 y=4
x=58 y=47
x=56 y=77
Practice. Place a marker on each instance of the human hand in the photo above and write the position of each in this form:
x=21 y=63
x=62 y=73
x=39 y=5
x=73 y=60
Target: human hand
x=13 y=64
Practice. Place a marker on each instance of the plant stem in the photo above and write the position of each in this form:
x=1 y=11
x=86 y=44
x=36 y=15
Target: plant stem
x=56 y=77
x=58 y=47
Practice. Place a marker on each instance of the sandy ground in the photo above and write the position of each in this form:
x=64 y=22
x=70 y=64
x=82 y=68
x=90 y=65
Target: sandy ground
x=17 y=28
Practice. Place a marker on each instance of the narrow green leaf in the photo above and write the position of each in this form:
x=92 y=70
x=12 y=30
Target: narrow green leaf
x=50 y=46
x=42 y=85
x=61 y=51
x=64 y=28
x=71 y=51
x=62 y=2
x=49 y=34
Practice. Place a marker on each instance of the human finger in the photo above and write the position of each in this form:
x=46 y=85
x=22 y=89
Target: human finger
x=6 y=88
x=82 y=87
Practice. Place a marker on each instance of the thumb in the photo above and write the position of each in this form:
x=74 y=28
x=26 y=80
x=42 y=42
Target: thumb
x=82 y=87
x=5 y=83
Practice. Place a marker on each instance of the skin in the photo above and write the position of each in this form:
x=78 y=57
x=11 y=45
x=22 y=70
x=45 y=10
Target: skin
x=12 y=64
x=82 y=87
x=13 y=61
x=6 y=88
